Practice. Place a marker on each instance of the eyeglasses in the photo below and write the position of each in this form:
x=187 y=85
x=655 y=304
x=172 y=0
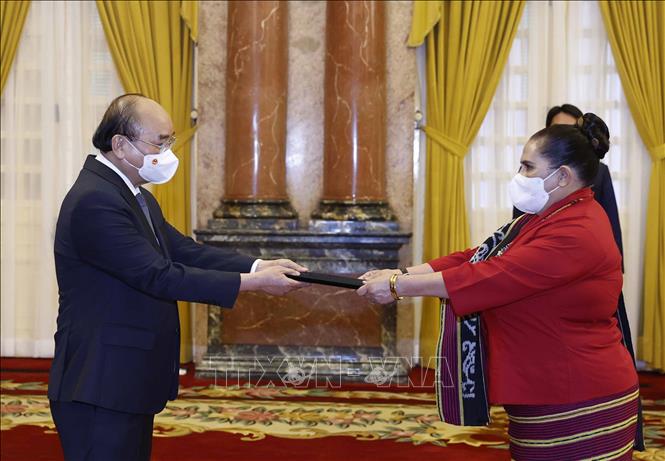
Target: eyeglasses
x=166 y=145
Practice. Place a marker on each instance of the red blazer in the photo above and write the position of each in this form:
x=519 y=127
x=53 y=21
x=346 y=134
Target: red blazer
x=548 y=307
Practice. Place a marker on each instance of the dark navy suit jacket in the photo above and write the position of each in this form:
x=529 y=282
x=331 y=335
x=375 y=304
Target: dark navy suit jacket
x=117 y=343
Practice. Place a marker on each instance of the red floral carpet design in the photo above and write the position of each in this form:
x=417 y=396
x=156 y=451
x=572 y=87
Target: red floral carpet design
x=255 y=414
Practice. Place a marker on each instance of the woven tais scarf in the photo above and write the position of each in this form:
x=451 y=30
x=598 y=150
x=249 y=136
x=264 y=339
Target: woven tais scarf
x=461 y=393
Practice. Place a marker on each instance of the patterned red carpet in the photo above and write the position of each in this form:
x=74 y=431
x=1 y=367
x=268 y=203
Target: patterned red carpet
x=231 y=420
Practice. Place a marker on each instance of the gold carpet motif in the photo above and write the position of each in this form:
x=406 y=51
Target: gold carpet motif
x=256 y=412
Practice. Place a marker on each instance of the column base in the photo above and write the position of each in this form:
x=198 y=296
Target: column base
x=350 y=210
x=254 y=214
x=304 y=366
x=352 y=227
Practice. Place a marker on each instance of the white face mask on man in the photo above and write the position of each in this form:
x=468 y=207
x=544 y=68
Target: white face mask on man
x=529 y=194
x=157 y=168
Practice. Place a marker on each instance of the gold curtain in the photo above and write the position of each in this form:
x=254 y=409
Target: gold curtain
x=12 y=19
x=468 y=44
x=426 y=15
x=152 y=43
x=636 y=30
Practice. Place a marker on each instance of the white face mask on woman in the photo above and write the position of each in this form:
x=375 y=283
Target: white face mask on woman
x=529 y=194
x=157 y=168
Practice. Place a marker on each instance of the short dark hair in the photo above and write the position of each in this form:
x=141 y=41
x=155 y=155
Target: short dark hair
x=566 y=109
x=119 y=118
x=580 y=146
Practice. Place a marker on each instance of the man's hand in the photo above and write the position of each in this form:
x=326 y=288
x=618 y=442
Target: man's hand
x=286 y=263
x=377 y=289
x=370 y=275
x=272 y=280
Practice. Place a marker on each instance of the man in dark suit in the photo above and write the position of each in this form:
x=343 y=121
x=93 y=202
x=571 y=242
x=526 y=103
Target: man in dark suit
x=120 y=268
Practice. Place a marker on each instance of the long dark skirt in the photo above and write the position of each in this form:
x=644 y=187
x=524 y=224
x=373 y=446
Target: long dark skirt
x=598 y=429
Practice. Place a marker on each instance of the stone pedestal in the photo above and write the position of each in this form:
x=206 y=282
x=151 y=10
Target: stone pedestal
x=323 y=332
x=254 y=214
x=351 y=210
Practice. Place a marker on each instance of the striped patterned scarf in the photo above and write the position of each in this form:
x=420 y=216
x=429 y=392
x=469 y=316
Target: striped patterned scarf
x=461 y=393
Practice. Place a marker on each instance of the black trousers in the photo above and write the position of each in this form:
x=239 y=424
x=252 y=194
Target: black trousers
x=91 y=433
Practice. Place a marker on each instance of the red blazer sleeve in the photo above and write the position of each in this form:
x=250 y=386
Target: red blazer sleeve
x=452 y=260
x=556 y=256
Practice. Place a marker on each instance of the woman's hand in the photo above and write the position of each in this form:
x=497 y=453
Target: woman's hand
x=377 y=289
x=370 y=275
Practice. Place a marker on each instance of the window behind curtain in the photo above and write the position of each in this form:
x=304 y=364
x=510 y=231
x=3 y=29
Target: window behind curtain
x=61 y=81
x=561 y=54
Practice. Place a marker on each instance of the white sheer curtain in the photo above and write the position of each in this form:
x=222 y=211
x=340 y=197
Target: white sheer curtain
x=560 y=55
x=61 y=81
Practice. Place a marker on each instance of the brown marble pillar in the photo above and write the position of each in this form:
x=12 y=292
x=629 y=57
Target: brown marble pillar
x=355 y=113
x=256 y=87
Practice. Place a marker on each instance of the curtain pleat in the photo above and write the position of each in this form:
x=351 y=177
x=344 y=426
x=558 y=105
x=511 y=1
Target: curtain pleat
x=635 y=30
x=467 y=49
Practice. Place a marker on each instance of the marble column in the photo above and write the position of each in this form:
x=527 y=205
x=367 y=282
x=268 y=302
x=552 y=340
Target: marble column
x=256 y=92
x=355 y=114
x=313 y=329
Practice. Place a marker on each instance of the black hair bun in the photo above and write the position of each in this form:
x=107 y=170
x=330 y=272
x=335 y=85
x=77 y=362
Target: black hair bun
x=596 y=131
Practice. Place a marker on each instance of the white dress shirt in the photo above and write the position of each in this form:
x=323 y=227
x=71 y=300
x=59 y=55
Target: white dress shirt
x=135 y=190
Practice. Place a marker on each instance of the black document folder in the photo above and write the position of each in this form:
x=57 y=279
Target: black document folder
x=327 y=279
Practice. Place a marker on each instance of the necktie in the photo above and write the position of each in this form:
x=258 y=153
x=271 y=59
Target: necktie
x=144 y=207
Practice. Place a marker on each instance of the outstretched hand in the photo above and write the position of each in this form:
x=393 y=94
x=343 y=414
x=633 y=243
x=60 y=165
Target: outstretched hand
x=286 y=263
x=377 y=289
x=370 y=275
x=271 y=280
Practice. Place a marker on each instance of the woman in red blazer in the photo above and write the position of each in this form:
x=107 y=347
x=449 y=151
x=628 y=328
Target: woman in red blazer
x=543 y=290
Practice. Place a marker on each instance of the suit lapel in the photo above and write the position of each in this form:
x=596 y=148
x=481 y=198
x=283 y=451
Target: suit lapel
x=111 y=176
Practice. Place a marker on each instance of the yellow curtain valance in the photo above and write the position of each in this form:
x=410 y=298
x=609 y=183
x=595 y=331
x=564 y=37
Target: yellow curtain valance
x=12 y=19
x=189 y=12
x=426 y=15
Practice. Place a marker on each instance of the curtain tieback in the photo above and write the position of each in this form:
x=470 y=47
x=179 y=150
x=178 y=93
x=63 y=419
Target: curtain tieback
x=451 y=145
x=657 y=152
x=183 y=138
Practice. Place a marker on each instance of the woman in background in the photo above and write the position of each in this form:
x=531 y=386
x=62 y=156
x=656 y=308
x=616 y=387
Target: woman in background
x=544 y=291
